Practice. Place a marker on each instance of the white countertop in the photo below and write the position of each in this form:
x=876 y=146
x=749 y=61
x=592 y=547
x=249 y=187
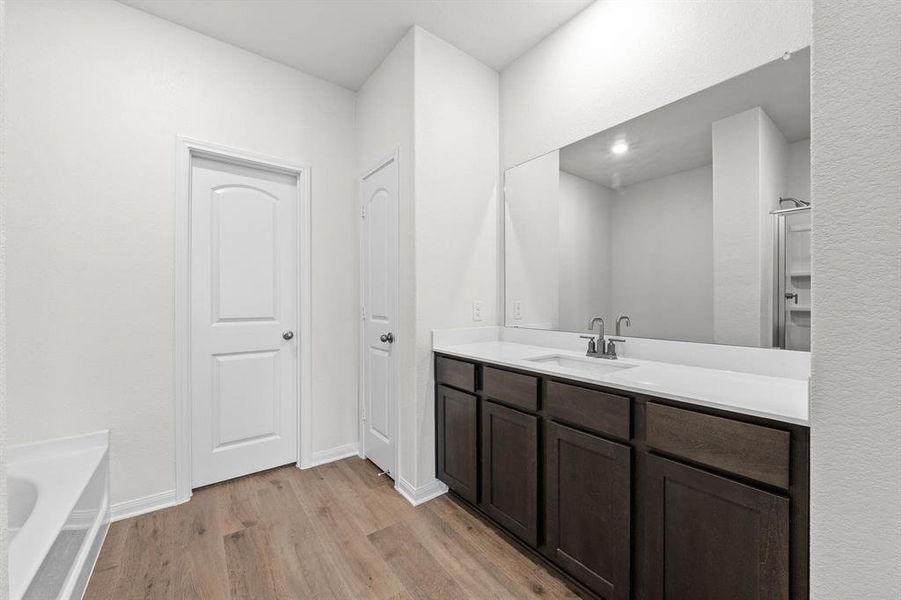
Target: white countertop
x=779 y=398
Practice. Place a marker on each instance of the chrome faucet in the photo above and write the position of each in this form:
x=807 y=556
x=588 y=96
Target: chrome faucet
x=600 y=348
x=619 y=320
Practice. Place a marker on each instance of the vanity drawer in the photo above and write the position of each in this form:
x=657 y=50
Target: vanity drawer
x=456 y=373
x=589 y=409
x=512 y=388
x=752 y=451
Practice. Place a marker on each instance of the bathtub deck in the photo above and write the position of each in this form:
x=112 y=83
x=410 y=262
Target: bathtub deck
x=336 y=531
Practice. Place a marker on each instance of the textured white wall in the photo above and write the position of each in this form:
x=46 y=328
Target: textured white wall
x=384 y=116
x=456 y=181
x=532 y=245
x=855 y=406
x=663 y=256
x=619 y=59
x=96 y=94
x=4 y=582
x=585 y=246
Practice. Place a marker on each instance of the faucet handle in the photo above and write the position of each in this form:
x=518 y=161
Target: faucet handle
x=592 y=344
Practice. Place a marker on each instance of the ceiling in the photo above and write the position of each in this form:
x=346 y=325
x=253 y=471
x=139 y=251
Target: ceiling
x=343 y=41
x=677 y=137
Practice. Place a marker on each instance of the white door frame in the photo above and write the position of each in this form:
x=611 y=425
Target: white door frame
x=186 y=150
x=395 y=384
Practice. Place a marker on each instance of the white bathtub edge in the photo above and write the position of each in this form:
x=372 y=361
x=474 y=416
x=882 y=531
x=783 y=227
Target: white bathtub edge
x=75 y=586
x=56 y=446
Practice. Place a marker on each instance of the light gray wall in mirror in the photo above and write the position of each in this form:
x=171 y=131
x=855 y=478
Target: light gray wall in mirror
x=676 y=232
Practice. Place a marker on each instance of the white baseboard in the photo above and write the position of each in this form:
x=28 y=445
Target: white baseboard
x=421 y=494
x=140 y=506
x=320 y=457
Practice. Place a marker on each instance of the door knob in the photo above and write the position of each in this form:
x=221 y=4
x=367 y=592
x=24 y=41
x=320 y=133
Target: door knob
x=387 y=337
x=288 y=335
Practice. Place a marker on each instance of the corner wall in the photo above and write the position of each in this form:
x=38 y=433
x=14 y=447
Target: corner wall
x=439 y=107
x=855 y=407
x=384 y=123
x=456 y=131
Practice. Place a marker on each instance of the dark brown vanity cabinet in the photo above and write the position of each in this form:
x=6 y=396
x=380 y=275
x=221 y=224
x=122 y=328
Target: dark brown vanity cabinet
x=627 y=495
x=587 y=508
x=710 y=537
x=510 y=469
x=456 y=418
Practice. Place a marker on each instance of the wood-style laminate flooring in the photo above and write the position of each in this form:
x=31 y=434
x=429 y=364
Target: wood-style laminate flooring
x=335 y=531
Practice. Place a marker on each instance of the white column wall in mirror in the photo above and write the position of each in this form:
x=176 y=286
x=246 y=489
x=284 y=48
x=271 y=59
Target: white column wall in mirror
x=91 y=298
x=532 y=214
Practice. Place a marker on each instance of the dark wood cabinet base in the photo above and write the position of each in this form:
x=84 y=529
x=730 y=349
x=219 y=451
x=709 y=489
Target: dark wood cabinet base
x=627 y=496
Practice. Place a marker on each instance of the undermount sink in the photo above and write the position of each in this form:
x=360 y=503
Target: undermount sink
x=589 y=366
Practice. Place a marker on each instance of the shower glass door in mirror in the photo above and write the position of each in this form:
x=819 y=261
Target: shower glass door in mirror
x=673 y=219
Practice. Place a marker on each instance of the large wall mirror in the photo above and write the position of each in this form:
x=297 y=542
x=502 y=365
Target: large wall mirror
x=692 y=220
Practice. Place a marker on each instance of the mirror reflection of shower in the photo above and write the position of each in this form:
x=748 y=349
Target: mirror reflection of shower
x=791 y=314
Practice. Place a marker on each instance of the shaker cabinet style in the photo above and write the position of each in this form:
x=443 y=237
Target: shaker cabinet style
x=711 y=538
x=510 y=469
x=587 y=507
x=456 y=418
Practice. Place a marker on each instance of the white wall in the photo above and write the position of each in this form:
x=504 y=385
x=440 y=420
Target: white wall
x=617 y=60
x=797 y=184
x=773 y=184
x=384 y=122
x=4 y=524
x=456 y=181
x=532 y=250
x=855 y=406
x=585 y=246
x=663 y=256
x=96 y=94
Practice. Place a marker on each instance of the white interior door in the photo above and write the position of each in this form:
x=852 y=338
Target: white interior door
x=379 y=263
x=244 y=282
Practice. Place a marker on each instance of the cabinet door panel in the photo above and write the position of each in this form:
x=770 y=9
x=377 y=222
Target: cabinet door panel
x=510 y=469
x=588 y=509
x=711 y=538
x=456 y=420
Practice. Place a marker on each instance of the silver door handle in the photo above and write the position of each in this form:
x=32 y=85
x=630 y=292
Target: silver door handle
x=387 y=337
x=288 y=335
x=790 y=296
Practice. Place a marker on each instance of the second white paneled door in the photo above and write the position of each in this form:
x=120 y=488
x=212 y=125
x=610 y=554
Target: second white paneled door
x=244 y=312
x=379 y=264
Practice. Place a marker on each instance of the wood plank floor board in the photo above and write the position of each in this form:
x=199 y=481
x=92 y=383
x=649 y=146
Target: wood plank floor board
x=422 y=575
x=363 y=567
x=339 y=531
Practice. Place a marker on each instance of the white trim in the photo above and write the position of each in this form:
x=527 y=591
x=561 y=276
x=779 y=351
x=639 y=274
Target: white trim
x=422 y=494
x=321 y=457
x=186 y=149
x=394 y=155
x=140 y=506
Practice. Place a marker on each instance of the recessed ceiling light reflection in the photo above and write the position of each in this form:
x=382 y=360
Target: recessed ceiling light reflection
x=619 y=147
